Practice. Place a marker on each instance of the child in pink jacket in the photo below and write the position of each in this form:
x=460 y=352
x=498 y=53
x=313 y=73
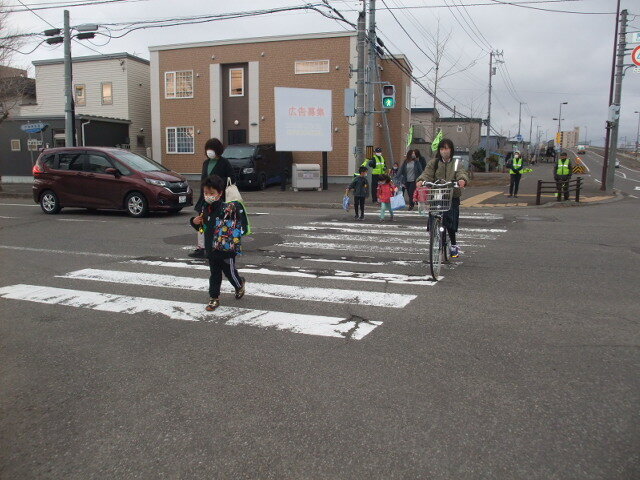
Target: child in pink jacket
x=386 y=190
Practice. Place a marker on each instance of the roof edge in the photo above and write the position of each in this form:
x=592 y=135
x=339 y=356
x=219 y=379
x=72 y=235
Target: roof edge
x=238 y=41
x=92 y=58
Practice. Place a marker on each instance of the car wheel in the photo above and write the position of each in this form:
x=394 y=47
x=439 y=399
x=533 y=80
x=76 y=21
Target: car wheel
x=49 y=202
x=136 y=205
x=263 y=182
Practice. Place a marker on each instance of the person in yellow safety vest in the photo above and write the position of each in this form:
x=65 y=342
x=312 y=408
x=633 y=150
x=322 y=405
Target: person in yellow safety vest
x=562 y=175
x=378 y=167
x=515 y=174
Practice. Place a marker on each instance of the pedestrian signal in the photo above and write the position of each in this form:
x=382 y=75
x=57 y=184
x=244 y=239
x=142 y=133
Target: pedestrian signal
x=388 y=96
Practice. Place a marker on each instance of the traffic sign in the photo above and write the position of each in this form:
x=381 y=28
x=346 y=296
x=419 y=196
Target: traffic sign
x=634 y=37
x=519 y=138
x=635 y=55
x=33 y=127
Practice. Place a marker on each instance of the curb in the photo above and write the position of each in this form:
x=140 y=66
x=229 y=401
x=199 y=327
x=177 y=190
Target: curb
x=15 y=195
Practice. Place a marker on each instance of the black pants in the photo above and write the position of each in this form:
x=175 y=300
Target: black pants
x=358 y=204
x=514 y=183
x=374 y=187
x=220 y=262
x=451 y=219
x=562 y=185
x=411 y=187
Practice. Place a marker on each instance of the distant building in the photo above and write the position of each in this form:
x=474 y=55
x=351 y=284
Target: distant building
x=571 y=138
x=463 y=132
x=424 y=122
x=225 y=89
x=16 y=90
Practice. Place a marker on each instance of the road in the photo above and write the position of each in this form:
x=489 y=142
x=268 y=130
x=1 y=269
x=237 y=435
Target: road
x=627 y=175
x=343 y=360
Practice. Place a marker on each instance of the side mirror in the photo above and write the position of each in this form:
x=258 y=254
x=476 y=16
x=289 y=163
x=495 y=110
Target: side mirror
x=112 y=171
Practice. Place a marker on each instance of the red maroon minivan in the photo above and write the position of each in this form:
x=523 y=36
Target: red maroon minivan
x=107 y=178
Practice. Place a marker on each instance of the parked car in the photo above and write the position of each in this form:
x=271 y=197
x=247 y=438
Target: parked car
x=106 y=178
x=617 y=165
x=258 y=165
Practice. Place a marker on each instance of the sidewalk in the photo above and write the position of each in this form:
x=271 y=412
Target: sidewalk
x=486 y=190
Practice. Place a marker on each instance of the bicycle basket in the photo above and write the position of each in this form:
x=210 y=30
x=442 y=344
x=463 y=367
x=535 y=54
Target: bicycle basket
x=439 y=199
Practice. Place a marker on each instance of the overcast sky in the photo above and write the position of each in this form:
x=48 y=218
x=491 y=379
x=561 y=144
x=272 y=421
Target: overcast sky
x=549 y=57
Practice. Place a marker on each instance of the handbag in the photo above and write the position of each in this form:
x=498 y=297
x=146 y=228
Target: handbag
x=231 y=193
x=346 y=201
x=397 y=201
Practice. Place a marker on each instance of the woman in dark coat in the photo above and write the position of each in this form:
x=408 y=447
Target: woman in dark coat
x=215 y=164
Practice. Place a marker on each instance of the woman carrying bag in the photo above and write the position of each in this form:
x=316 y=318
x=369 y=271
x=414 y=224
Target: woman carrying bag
x=409 y=172
x=215 y=164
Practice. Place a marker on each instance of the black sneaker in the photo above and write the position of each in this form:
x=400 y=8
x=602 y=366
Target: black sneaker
x=197 y=253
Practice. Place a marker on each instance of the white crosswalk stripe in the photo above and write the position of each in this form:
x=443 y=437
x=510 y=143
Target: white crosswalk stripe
x=297 y=274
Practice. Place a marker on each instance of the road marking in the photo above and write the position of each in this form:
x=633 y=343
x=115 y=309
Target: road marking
x=17 y=205
x=81 y=220
x=401 y=231
x=386 y=226
x=379 y=277
x=329 y=295
x=66 y=252
x=633 y=196
x=423 y=240
x=363 y=259
x=476 y=199
x=194 y=312
x=2 y=216
x=401 y=249
x=637 y=188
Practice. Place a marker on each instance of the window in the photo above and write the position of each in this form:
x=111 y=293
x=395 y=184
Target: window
x=138 y=162
x=459 y=129
x=79 y=95
x=178 y=84
x=312 y=66
x=236 y=82
x=107 y=93
x=71 y=161
x=15 y=145
x=140 y=141
x=98 y=163
x=179 y=139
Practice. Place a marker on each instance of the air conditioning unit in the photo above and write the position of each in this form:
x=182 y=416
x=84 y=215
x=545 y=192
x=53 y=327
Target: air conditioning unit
x=305 y=176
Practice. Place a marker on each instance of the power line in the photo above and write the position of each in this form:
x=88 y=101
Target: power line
x=28 y=7
x=514 y=4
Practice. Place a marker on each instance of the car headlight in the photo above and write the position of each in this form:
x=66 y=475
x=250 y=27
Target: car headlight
x=157 y=183
x=248 y=170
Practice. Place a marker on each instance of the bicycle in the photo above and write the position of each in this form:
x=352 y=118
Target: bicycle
x=438 y=202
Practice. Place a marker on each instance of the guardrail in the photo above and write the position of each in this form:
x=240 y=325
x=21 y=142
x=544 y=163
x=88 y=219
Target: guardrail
x=572 y=186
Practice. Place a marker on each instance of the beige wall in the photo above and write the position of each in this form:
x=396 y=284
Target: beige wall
x=467 y=138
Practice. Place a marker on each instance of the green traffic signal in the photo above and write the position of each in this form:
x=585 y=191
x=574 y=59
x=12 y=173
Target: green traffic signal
x=388 y=102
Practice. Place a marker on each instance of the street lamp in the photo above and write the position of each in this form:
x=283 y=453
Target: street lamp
x=586 y=136
x=637 y=134
x=560 y=124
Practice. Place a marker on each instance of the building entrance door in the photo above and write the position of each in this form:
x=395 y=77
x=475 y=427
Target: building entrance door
x=236 y=136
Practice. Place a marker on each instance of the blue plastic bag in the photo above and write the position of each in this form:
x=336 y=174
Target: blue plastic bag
x=397 y=201
x=346 y=202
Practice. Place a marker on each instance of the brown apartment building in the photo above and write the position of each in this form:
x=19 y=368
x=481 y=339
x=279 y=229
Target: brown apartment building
x=225 y=89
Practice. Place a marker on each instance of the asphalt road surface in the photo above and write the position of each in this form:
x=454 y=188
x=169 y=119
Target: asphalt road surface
x=627 y=176
x=343 y=361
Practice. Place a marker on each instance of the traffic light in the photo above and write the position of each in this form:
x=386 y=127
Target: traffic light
x=614 y=112
x=559 y=138
x=388 y=96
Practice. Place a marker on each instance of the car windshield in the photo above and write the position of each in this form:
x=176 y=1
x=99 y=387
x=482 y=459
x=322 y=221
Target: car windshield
x=140 y=163
x=237 y=152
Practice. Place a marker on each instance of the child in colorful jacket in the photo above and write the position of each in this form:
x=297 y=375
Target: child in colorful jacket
x=386 y=190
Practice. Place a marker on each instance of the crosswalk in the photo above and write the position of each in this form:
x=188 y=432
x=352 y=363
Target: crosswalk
x=330 y=278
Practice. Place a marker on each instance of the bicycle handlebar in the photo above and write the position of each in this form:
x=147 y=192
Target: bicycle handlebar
x=436 y=184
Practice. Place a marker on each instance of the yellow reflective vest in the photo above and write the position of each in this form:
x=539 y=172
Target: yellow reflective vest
x=563 y=167
x=380 y=166
x=516 y=162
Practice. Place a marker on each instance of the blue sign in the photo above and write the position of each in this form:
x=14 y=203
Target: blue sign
x=519 y=138
x=33 y=127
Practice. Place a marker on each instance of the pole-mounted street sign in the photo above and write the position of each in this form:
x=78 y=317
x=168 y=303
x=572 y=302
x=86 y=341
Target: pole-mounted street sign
x=635 y=55
x=33 y=127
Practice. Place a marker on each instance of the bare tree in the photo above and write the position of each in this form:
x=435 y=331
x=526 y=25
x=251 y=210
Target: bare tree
x=14 y=84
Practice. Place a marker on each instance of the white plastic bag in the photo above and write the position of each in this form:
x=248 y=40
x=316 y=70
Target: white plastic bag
x=231 y=193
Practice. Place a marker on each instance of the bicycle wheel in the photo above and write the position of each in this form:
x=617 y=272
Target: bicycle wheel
x=435 y=247
x=446 y=246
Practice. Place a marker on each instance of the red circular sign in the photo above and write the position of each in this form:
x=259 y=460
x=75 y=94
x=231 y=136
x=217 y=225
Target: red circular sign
x=635 y=55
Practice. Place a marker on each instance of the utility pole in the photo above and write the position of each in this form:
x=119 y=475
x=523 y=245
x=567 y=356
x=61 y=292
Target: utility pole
x=605 y=160
x=637 y=134
x=371 y=78
x=622 y=45
x=519 y=116
x=360 y=104
x=531 y=131
x=69 y=113
x=489 y=107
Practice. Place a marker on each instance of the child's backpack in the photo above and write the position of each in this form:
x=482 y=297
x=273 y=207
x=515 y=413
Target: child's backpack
x=230 y=228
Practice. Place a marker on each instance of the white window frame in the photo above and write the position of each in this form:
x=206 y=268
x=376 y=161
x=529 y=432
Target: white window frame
x=16 y=145
x=300 y=63
x=76 y=98
x=174 y=95
x=102 y=97
x=230 y=91
x=175 y=140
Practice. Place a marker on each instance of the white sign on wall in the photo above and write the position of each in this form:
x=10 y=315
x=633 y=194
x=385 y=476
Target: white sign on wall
x=303 y=120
